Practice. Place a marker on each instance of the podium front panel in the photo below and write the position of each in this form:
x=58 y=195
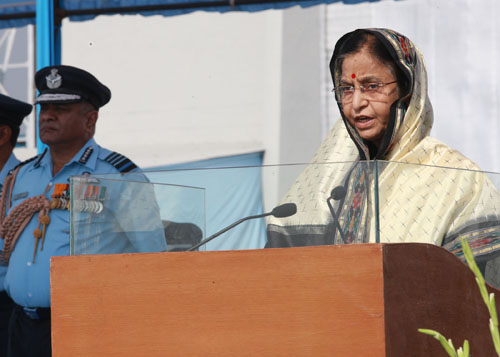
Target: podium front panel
x=313 y=301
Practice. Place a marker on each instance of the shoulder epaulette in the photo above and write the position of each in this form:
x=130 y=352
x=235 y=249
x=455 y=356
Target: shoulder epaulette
x=86 y=154
x=120 y=162
x=37 y=158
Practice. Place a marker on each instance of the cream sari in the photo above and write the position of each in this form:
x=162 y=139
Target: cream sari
x=425 y=191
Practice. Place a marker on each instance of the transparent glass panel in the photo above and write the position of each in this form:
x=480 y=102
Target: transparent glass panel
x=126 y=213
x=232 y=193
x=328 y=196
x=231 y=196
x=337 y=203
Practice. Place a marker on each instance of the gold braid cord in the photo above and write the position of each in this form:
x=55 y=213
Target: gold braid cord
x=12 y=225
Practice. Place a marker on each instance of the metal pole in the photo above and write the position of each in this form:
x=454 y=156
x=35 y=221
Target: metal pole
x=45 y=45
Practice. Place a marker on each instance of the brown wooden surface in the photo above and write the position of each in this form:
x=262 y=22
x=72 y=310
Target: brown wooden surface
x=359 y=300
x=427 y=287
x=313 y=301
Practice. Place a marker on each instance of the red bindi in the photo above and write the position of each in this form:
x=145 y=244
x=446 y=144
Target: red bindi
x=353 y=76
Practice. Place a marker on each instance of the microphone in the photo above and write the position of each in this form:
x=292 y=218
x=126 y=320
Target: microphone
x=281 y=211
x=337 y=193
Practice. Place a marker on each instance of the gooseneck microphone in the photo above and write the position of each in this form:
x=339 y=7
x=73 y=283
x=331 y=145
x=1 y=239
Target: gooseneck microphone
x=281 y=211
x=337 y=193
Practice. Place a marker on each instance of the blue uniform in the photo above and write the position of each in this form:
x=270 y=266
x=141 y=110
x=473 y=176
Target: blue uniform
x=28 y=283
x=11 y=163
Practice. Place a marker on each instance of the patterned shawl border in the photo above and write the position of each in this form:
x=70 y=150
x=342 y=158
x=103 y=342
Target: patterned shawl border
x=483 y=238
x=355 y=226
x=491 y=221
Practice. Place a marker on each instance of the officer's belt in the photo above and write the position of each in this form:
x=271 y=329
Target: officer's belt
x=35 y=313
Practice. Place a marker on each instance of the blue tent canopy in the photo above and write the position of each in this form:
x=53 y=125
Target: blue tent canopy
x=87 y=9
x=15 y=13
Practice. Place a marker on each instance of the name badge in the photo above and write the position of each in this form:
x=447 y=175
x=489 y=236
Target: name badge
x=18 y=196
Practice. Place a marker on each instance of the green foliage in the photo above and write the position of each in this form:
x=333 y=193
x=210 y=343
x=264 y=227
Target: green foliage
x=447 y=344
x=489 y=300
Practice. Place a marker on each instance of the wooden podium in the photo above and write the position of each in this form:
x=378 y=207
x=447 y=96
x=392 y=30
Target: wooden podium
x=357 y=300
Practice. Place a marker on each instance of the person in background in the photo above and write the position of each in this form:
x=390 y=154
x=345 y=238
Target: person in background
x=12 y=113
x=34 y=206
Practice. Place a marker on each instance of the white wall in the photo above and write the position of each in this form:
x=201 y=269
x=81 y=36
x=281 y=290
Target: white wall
x=186 y=87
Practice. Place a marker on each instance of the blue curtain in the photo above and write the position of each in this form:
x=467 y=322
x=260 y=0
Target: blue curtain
x=233 y=190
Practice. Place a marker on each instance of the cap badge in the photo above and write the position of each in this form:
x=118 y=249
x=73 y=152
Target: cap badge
x=54 y=80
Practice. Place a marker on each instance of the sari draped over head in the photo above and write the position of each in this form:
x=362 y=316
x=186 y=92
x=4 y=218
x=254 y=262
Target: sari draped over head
x=413 y=188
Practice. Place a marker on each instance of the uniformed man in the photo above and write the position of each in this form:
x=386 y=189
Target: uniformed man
x=32 y=227
x=12 y=113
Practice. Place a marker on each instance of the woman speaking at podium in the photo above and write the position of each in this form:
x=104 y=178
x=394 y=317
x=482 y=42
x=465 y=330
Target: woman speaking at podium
x=396 y=183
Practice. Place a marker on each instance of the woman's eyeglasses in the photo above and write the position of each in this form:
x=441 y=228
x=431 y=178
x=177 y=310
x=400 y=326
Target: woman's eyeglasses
x=371 y=91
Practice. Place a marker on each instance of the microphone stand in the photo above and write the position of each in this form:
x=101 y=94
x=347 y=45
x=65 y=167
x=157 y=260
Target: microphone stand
x=339 y=228
x=215 y=235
